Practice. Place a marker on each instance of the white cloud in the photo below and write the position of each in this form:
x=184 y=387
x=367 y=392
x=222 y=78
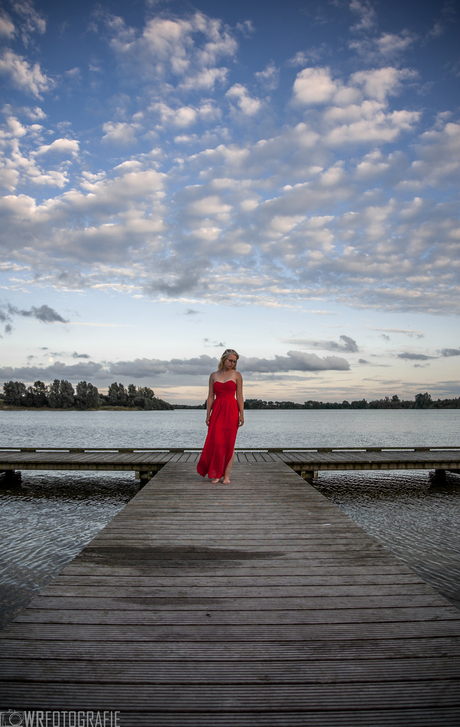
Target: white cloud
x=205 y=79
x=32 y=21
x=247 y=104
x=439 y=156
x=186 y=51
x=314 y=86
x=372 y=166
x=7 y=29
x=382 y=82
x=61 y=147
x=120 y=132
x=366 y=13
x=23 y=76
x=269 y=77
x=390 y=44
x=211 y=205
x=184 y=116
x=374 y=126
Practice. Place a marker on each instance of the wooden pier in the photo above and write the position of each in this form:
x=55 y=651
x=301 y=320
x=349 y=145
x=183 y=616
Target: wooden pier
x=257 y=604
x=307 y=462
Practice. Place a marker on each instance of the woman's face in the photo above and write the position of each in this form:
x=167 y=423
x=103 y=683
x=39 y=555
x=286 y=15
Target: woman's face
x=230 y=362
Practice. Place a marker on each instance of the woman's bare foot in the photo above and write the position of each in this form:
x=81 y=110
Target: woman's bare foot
x=214 y=482
x=225 y=481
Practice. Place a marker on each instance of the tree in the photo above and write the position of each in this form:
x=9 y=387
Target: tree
x=423 y=401
x=132 y=395
x=15 y=393
x=87 y=396
x=53 y=394
x=67 y=393
x=117 y=395
x=145 y=398
x=38 y=394
x=61 y=394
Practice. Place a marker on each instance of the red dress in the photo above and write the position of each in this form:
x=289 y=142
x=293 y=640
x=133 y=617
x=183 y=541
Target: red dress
x=223 y=427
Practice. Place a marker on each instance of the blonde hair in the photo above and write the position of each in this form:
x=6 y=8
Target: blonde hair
x=224 y=357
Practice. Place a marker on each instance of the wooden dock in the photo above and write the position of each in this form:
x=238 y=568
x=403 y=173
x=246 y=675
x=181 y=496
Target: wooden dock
x=146 y=462
x=257 y=604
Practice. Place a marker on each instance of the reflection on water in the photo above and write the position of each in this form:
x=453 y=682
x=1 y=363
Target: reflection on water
x=411 y=514
x=46 y=522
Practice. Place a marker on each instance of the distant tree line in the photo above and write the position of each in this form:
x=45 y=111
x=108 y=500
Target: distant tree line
x=61 y=395
x=421 y=401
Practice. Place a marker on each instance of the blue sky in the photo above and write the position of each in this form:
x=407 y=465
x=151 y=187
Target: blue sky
x=279 y=178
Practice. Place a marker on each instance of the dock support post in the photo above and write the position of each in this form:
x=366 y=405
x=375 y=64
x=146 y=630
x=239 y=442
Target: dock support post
x=439 y=477
x=10 y=477
x=309 y=475
x=144 y=476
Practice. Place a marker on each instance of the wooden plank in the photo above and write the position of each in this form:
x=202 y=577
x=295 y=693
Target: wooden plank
x=270 y=615
x=261 y=697
x=167 y=672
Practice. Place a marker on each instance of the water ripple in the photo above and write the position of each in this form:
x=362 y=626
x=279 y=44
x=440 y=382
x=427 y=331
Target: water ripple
x=46 y=522
x=411 y=514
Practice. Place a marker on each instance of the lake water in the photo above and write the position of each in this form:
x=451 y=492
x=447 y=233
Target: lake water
x=47 y=520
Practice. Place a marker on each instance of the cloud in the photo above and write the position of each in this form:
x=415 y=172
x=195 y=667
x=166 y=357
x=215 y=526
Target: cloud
x=438 y=162
x=31 y=20
x=7 y=29
x=183 y=51
x=61 y=147
x=447 y=352
x=415 y=356
x=120 y=133
x=141 y=368
x=44 y=313
x=382 y=82
x=294 y=361
x=57 y=370
x=345 y=344
x=388 y=47
x=202 y=365
x=269 y=77
x=248 y=105
x=24 y=77
x=366 y=14
x=314 y=86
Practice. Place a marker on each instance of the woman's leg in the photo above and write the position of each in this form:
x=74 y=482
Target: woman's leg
x=226 y=480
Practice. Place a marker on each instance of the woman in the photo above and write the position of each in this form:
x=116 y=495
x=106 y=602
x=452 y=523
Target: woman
x=224 y=415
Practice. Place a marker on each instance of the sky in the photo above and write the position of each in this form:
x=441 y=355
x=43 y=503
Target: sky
x=280 y=178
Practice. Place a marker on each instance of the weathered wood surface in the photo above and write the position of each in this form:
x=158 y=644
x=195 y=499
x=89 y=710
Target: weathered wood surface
x=301 y=460
x=257 y=603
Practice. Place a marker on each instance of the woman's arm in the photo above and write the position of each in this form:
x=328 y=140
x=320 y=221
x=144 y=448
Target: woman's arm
x=239 y=397
x=210 y=400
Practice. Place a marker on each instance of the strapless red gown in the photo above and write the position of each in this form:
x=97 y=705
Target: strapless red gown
x=223 y=427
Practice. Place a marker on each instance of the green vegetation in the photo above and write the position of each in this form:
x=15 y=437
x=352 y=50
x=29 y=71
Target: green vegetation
x=421 y=401
x=61 y=395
